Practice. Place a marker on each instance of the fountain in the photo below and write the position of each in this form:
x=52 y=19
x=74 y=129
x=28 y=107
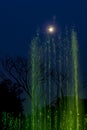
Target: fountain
x=55 y=82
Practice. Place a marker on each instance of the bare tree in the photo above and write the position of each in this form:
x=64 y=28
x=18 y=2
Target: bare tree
x=17 y=70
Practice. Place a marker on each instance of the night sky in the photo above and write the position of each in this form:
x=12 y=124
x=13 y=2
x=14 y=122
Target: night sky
x=19 y=20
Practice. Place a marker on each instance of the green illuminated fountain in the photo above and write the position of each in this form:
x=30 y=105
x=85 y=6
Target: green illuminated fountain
x=55 y=82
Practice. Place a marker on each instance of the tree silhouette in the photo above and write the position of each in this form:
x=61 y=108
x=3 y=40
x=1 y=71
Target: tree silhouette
x=16 y=69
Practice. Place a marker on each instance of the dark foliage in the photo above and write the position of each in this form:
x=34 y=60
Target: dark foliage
x=10 y=100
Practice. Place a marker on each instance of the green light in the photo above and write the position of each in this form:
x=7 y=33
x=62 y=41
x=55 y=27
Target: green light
x=75 y=74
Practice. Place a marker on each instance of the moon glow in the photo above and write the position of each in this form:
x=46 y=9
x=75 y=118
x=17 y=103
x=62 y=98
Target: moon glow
x=51 y=29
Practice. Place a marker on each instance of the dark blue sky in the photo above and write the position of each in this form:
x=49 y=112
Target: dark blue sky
x=20 y=18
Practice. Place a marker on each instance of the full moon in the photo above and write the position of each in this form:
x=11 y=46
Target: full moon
x=51 y=29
